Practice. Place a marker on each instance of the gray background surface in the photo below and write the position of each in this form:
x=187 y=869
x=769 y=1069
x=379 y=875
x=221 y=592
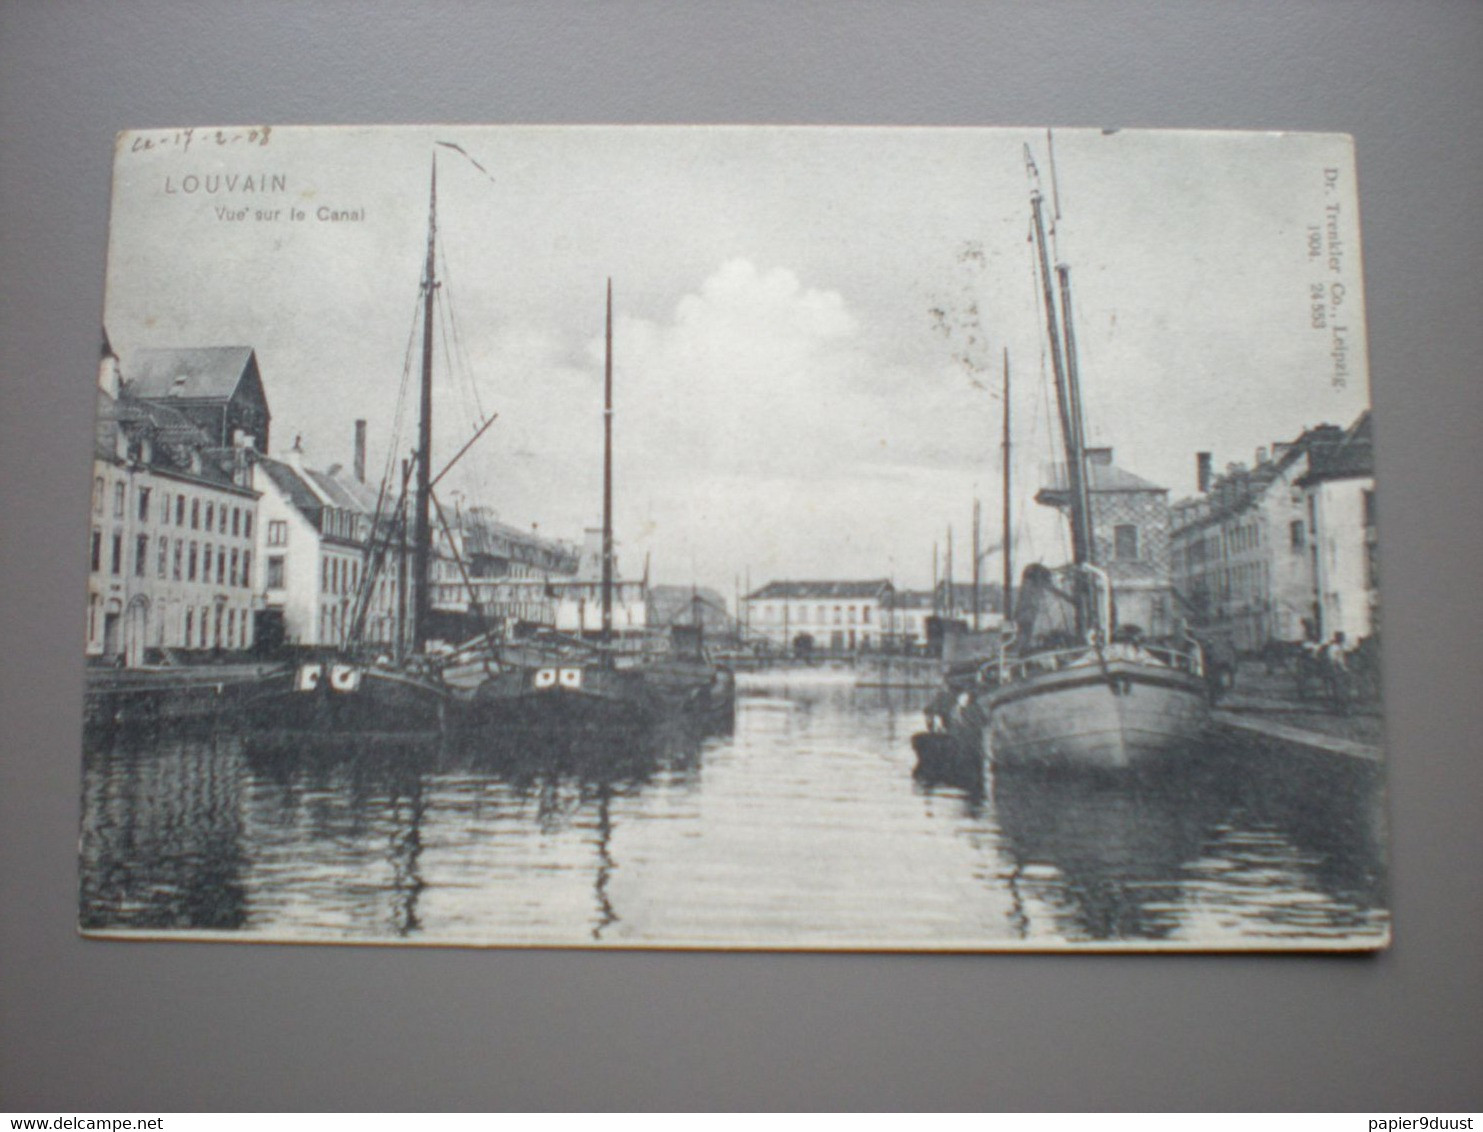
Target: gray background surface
x=113 y=1026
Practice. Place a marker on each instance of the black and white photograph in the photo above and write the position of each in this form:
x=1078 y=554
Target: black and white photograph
x=770 y=538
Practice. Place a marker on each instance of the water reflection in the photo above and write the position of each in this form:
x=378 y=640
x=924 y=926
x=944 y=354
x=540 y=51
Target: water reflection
x=1260 y=846
x=161 y=843
x=806 y=827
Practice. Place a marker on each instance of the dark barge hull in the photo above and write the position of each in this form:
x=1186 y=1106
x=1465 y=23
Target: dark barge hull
x=342 y=700
x=573 y=698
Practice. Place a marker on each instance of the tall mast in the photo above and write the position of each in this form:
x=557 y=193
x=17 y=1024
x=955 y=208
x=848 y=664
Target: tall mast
x=1008 y=546
x=607 y=479
x=1075 y=468
x=1083 y=503
x=936 y=589
x=1069 y=402
x=952 y=598
x=402 y=610
x=422 y=532
x=977 y=554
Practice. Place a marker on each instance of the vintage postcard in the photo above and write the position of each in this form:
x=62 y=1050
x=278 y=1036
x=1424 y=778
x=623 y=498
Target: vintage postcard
x=939 y=539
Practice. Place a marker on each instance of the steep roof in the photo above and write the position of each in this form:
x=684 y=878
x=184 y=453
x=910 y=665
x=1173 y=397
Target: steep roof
x=175 y=444
x=1102 y=478
x=294 y=488
x=1350 y=457
x=339 y=491
x=827 y=590
x=210 y=373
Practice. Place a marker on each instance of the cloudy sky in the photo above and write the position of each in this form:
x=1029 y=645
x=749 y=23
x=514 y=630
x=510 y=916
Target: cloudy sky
x=788 y=402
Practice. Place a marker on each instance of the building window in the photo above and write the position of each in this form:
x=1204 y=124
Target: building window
x=865 y=616
x=195 y=514
x=141 y=553
x=1369 y=503
x=221 y=565
x=838 y=616
x=116 y=562
x=164 y=555
x=236 y=521
x=179 y=554
x=144 y=504
x=95 y=551
x=277 y=532
x=247 y=524
x=98 y=488
x=1125 y=540
x=190 y=575
x=180 y=510
x=206 y=563
x=233 y=573
x=118 y=501
x=164 y=508
x=210 y=514
x=221 y=522
x=275 y=571
x=247 y=568
x=1297 y=533
x=190 y=622
x=204 y=625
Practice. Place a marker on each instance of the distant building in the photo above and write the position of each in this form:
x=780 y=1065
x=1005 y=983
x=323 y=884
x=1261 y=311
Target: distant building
x=1130 y=527
x=490 y=573
x=171 y=545
x=690 y=605
x=837 y=616
x=1243 y=549
x=907 y=620
x=1339 y=493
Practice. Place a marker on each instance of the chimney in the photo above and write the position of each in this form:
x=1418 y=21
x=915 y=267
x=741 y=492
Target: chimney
x=294 y=457
x=110 y=377
x=360 y=451
x=1203 y=470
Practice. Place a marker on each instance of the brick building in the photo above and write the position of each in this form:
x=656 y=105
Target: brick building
x=217 y=388
x=1130 y=533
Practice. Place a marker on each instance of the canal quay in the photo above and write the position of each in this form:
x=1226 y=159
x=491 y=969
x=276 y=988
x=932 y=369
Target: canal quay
x=430 y=617
x=806 y=826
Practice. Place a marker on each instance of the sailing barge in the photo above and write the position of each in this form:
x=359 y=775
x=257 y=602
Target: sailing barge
x=1072 y=687
x=605 y=688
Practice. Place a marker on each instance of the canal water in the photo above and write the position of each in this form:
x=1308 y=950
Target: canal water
x=806 y=827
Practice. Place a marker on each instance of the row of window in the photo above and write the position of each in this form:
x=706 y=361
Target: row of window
x=201 y=514
x=798 y=615
x=339 y=575
x=224 y=628
x=1246 y=582
x=206 y=626
x=179 y=561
